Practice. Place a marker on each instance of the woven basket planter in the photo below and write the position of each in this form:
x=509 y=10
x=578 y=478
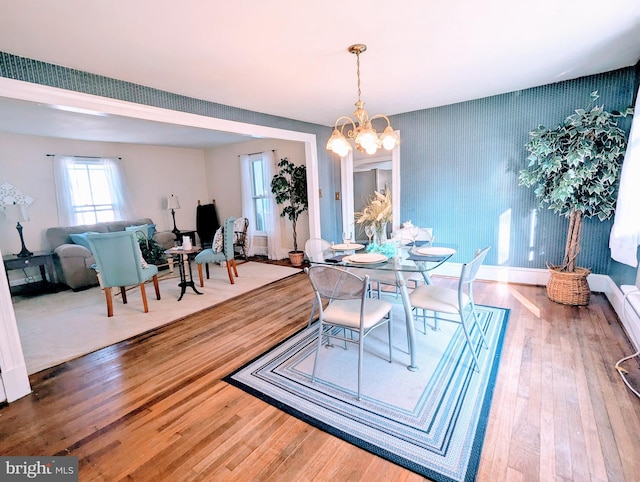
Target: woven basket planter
x=569 y=288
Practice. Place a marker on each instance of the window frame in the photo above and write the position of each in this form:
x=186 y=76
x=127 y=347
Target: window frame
x=254 y=159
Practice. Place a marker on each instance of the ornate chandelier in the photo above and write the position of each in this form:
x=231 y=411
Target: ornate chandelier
x=363 y=135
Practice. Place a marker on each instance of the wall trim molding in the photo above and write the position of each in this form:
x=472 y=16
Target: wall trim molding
x=599 y=283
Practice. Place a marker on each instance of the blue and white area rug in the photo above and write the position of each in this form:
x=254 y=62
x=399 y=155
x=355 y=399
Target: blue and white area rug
x=431 y=421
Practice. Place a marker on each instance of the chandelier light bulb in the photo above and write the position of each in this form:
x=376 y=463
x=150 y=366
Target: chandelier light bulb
x=343 y=150
x=389 y=138
x=361 y=132
x=371 y=149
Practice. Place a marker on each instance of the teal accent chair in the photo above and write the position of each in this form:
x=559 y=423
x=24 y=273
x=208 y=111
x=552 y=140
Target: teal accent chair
x=119 y=263
x=209 y=255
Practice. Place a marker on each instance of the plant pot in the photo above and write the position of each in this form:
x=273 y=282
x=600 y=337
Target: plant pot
x=296 y=257
x=569 y=288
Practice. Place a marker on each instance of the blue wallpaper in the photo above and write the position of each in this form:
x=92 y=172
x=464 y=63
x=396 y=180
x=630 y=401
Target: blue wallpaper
x=459 y=162
x=460 y=167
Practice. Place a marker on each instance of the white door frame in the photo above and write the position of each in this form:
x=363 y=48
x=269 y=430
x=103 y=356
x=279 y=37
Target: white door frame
x=14 y=374
x=346 y=180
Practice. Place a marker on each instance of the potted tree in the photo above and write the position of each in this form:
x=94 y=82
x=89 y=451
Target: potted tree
x=574 y=169
x=289 y=186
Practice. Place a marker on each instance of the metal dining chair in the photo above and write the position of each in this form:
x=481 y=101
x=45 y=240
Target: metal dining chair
x=314 y=249
x=348 y=310
x=438 y=299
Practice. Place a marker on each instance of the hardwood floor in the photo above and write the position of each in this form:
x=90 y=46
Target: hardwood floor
x=154 y=407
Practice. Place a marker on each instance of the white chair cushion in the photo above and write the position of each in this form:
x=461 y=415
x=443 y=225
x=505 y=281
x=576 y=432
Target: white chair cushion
x=347 y=312
x=437 y=298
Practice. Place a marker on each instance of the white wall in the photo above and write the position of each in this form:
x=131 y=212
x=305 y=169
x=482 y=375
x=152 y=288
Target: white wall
x=222 y=166
x=152 y=172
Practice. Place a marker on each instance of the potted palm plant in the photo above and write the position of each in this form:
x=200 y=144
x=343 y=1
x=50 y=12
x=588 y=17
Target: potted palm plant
x=289 y=186
x=574 y=169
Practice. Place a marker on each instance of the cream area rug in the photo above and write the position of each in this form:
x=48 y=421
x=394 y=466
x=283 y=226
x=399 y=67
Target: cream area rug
x=58 y=327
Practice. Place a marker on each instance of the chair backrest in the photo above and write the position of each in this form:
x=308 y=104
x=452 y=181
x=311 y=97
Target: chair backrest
x=470 y=269
x=314 y=248
x=240 y=226
x=227 y=238
x=118 y=258
x=423 y=234
x=335 y=283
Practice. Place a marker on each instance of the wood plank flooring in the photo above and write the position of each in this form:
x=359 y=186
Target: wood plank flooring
x=154 y=408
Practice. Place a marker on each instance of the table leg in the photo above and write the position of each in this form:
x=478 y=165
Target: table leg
x=184 y=266
x=406 y=302
x=183 y=280
x=191 y=283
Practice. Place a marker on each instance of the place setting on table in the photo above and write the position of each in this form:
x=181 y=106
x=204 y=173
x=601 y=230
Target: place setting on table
x=398 y=249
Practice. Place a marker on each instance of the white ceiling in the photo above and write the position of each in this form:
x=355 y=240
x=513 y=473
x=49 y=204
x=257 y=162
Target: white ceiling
x=290 y=59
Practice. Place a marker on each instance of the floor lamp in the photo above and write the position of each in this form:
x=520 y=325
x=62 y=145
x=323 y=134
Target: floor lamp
x=173 y=203
x=15 y=213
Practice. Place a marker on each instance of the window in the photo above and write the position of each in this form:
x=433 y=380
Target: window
x=260 y=190
x=91 y=199
x=90 y=190
x=258 y=205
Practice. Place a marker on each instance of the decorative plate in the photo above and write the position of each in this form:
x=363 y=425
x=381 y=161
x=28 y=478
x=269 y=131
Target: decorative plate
x=347 y=247
x=365 y=258
x=434 y=251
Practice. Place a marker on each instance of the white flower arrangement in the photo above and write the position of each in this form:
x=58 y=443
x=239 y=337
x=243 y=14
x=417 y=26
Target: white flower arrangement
x=377 y=211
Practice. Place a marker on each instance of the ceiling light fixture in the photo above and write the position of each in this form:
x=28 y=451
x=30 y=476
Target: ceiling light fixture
x=363 y=135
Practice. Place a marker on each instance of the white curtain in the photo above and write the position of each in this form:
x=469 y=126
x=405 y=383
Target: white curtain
x=625 y=234
x=247 y=201
x=122 y=205
x=272 y=222
x=64 y=190
x=123 y=208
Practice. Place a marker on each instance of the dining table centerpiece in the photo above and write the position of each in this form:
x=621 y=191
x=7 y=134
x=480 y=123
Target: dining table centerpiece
x=376 y=213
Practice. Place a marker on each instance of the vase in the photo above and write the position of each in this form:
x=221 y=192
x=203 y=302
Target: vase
x=380 y=233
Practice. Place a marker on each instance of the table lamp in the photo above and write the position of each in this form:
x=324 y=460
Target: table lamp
x=15 y=213
x=173 y=203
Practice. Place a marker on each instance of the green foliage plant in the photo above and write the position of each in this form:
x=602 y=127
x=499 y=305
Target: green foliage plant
x=152 y=251
x=574 y=169
x=289 y=187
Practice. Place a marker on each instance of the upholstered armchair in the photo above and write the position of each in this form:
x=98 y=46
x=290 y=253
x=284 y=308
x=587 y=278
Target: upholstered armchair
x=221 y=251
x=119 y=263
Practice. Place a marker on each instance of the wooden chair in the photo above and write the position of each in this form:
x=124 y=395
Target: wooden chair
x=240 y=241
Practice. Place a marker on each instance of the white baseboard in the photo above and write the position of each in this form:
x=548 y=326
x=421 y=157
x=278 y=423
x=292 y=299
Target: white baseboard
x=628 y=310
x=15 y=383
x=629 y=317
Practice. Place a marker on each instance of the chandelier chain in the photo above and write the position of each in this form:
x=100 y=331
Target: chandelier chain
x=358 y=72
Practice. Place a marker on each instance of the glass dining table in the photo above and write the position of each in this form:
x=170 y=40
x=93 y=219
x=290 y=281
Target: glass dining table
x=408 y=260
